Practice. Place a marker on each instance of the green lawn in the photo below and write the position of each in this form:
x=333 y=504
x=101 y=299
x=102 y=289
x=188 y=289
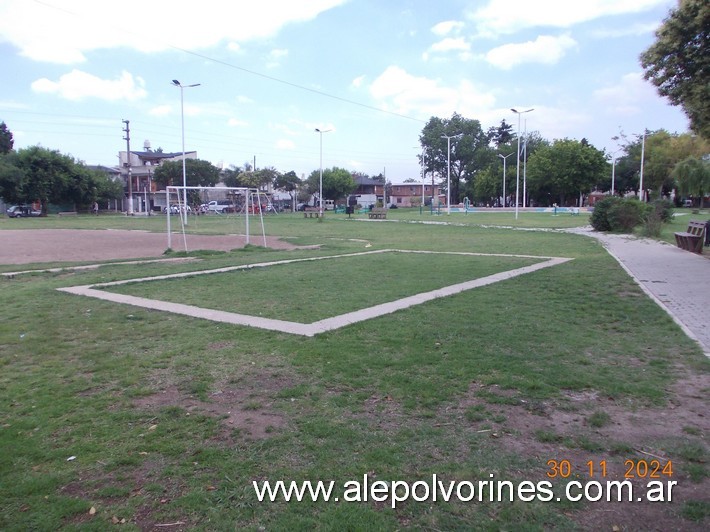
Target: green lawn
x=170 y=419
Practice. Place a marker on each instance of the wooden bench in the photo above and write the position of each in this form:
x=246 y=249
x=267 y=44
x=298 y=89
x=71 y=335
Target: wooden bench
x=693 y=238
x=377 y=213
x=67 y=213
x=312 y=213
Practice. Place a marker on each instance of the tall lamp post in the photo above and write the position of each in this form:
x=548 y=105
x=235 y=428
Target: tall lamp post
x=320 y=193
x=184 y=172
x=504 y=157
x=642 y=192
x=448 y=170
x=517 y=175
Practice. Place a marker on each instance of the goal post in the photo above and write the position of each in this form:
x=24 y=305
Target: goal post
x=236 y=204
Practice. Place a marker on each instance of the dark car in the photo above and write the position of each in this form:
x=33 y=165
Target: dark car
x=22 y=211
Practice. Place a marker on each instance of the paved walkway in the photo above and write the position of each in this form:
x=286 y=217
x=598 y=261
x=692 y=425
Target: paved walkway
x=679 y=281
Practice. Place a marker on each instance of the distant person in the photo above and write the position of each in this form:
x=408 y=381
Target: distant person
x=95 y=209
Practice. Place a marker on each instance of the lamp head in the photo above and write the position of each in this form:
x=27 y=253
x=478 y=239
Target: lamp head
x=176 y=83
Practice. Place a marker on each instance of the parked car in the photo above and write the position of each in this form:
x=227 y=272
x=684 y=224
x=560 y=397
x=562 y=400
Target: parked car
x=219 y=206
x=22 y=211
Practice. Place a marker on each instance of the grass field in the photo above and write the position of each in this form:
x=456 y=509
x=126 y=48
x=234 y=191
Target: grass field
x=168 y=420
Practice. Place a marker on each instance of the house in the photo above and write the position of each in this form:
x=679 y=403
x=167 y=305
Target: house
x=141 y=193
x=368 y=192
x=410 y=194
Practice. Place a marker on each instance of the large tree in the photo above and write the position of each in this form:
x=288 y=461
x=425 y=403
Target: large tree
x=198 y=173
x=693 y=177
x=38 y=174
x=337 y=183
x=564 y=170
x=678 y=63
x=470 y=151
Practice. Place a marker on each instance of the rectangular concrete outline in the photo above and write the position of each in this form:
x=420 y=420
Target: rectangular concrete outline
x=317 y=327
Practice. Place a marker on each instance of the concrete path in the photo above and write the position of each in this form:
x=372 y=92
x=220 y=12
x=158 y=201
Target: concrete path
x=679 y=281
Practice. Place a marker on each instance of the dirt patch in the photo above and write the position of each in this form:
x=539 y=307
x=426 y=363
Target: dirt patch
x=246 y=407
x=80 y=245
x=584 y=427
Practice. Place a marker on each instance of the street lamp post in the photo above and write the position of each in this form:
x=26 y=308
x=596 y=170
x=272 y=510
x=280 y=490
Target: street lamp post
x=504 y=157
x=517 y=175
x=448 y=170
x=184 y=172
x=320 y=192
x=642 y=192
x=423 y=179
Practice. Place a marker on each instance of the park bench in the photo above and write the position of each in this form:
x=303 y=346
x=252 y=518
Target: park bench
x=312 y=212
x=67 y=213
x=377 y=213
x=693 y=238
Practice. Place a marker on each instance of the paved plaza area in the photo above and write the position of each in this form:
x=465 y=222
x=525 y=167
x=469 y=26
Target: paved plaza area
x=678 y=280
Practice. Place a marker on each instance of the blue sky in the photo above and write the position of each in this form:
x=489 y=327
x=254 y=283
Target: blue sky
x=372 y=71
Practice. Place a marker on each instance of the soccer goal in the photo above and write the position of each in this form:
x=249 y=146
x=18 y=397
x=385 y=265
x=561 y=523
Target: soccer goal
x=187 y=209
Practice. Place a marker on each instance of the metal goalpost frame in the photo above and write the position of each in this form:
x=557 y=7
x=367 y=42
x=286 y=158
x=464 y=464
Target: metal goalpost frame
x=248 y=195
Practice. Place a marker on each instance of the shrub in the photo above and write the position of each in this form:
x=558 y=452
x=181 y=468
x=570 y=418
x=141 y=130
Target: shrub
x=657 y=213
x=625 y=215
x=599 y=218
x=617 y=214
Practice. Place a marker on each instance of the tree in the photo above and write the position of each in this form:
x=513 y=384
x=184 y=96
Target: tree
x=230 y=176
x=678 y=63
x=337 y=183
x=565 y=169
x=503 y=134
x=38 y=174
x=470 y=151
x=6 y=140
x=198 y=173
x=693 y=177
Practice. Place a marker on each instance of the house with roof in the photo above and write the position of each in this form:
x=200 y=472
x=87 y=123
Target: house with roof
x=411 y=194
x=136 y=170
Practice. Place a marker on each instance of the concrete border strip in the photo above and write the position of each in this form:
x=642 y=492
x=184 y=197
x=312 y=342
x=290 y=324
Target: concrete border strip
x=318 y=327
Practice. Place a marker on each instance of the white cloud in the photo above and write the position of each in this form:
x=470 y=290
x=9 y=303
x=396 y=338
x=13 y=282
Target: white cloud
x=627 y=97
x=444 y=28
x=401 y=92
x=235 y=48
x=62 y=32
x=450 y=45
x=278 y=53
x=500 y=17
x=634 y=30
x=357 y=82
x=275 y=56
x=78 y=85
x=244 y=100
x=546 y=50
x=285 y=144
x=235 y=122
x=161 y=110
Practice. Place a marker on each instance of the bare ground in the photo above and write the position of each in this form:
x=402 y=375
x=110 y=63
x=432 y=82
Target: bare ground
x=29 y=246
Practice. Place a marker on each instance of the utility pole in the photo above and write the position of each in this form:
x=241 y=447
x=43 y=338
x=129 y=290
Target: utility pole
x=127 y=138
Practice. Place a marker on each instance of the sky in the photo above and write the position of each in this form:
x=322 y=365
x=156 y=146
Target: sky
x=270 y=72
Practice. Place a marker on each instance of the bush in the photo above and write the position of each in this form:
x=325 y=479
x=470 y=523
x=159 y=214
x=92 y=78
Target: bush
x=626 y=215
x=657 y=213
x=599 y=218
x=617 y=214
